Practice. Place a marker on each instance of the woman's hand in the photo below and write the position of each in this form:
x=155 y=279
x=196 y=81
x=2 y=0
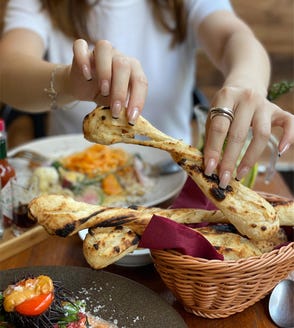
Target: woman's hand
x=250 y=109
x=109 y=78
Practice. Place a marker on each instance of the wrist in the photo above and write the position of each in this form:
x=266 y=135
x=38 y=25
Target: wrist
x=58 y=89
x=63 y=85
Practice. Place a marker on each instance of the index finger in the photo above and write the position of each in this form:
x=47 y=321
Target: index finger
x=217 y=130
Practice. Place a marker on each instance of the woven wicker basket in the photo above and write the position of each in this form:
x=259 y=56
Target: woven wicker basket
x=218 y=289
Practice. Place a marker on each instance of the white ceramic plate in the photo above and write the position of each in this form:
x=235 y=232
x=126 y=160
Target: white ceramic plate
x=164 y=189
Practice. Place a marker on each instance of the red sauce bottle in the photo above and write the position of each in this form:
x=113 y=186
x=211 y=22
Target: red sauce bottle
x=6 y=173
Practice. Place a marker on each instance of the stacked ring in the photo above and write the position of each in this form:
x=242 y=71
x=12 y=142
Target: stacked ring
x=222 y=111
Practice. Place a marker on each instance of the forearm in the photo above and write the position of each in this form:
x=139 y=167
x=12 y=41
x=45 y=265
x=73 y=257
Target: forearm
x=24 y=80
x=245 y=63
x=234 y=50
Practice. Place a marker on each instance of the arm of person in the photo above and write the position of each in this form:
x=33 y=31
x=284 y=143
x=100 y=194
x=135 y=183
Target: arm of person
x=25 y=74
x=236 y=52
x=104 y=76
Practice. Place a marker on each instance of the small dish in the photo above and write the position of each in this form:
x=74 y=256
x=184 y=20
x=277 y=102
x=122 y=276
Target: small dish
x=139 y=257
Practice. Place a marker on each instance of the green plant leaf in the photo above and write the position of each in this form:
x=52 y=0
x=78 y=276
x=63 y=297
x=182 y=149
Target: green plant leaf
x=278 y=89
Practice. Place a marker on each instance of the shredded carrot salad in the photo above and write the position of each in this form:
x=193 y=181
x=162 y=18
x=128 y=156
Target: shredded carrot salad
x=98 y=175
x=96 y=159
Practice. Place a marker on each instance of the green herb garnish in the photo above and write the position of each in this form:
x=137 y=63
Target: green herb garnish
x=72 y=311
x=278 y=89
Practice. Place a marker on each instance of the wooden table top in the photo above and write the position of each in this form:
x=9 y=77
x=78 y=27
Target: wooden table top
x=68 y=252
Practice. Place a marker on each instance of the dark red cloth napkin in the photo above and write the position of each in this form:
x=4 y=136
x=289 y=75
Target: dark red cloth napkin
x=163 y=233
x=191 y=196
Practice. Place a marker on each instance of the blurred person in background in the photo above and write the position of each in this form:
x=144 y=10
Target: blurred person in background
x=54 y=57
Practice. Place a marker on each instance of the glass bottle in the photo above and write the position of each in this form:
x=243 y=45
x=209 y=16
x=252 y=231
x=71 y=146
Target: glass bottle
x=1 y=216
x=6 y=173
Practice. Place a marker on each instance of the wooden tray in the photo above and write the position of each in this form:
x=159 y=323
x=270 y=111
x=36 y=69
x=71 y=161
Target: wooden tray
x=11 y=245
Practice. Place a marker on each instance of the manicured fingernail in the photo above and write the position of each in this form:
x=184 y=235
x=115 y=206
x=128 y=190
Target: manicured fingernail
x=133 y=115
x=284 y=149
x=225 y=179
x=105 y=88
x=210 y=167
x=241 y=174
x=87 y=73
x=116 y=109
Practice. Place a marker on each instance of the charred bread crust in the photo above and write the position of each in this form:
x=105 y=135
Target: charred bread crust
x=63 y=216
x=231 y=245
x=283 y=206
x=104 y=246
x=250 y=213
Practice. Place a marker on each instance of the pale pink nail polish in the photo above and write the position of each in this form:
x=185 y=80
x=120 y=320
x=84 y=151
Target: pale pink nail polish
x=241 y=174
x=87 y=73
x=225 y=179
x=210 y=167
x=133 y=115
x=105 y=88
x=284 y=149
x=116 y=109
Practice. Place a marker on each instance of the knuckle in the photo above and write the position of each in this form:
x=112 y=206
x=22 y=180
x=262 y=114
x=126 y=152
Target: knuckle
x=121 y=61
x=219 y=128
x=135 y=62
x=224 y=92
x=103 y=44
x=141 y=80
x=237 y=138
x=251 y=96
x=248 y=94
x=262 y=133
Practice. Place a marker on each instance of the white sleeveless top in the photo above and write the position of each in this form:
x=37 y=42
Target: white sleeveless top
x=129 y=26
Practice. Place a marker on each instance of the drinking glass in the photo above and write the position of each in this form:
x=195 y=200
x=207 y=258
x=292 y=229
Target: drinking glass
x=25 y=187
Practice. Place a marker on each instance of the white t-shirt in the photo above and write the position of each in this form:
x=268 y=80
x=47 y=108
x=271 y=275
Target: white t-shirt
x=130 y=27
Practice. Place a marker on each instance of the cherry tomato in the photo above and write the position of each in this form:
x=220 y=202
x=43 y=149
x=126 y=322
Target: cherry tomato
x=35 y=305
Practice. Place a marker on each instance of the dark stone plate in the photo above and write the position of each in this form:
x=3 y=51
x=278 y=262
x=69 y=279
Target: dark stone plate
x=110 y=296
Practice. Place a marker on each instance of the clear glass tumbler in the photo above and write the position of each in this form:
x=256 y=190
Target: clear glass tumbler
x=25 y=187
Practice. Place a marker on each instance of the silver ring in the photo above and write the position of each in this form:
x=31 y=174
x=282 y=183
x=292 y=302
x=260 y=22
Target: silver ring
x=222 y=111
